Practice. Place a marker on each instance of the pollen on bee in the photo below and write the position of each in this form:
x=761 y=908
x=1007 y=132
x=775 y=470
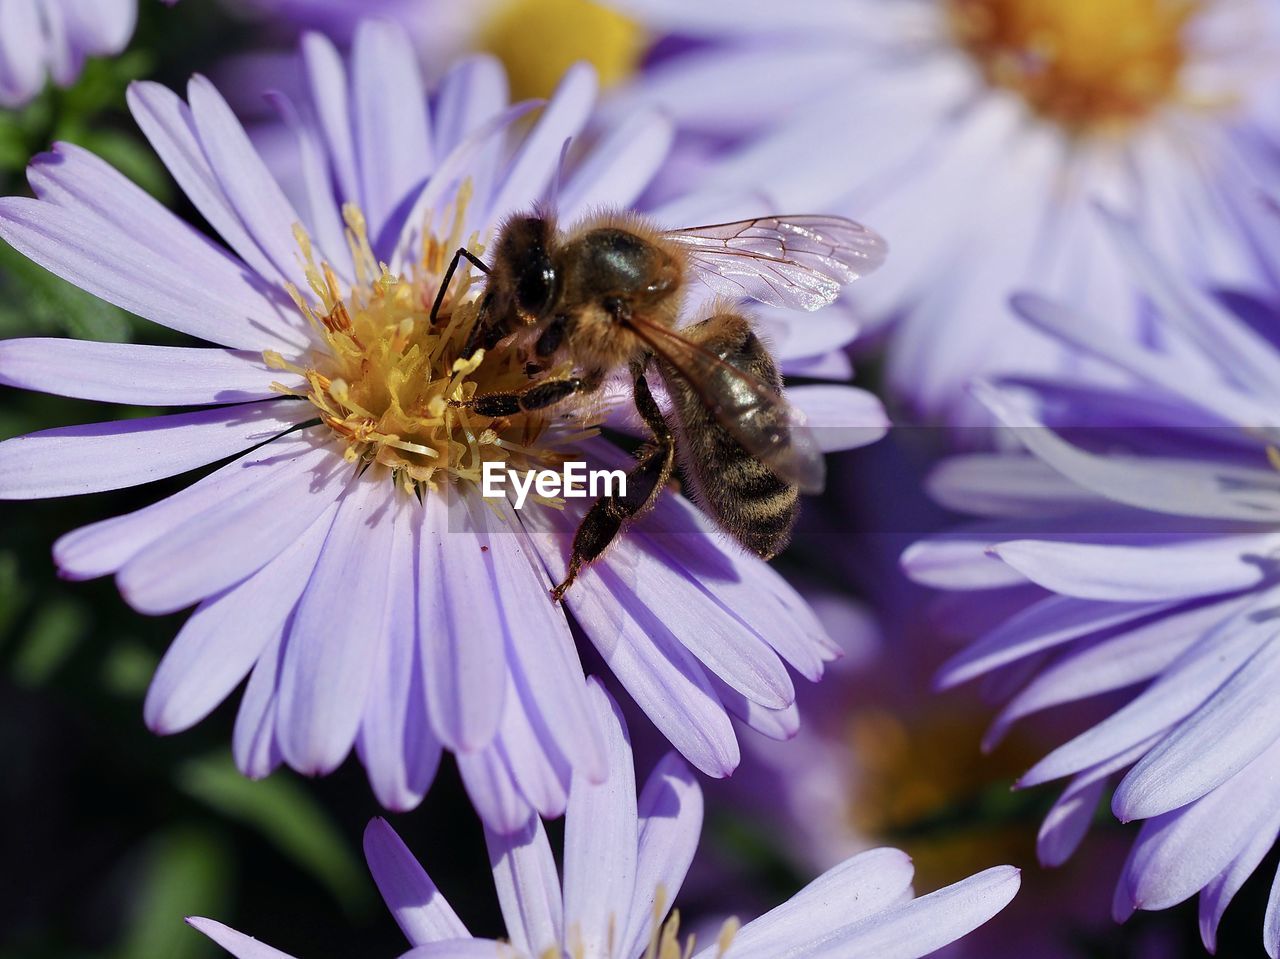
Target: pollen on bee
x=390 y=383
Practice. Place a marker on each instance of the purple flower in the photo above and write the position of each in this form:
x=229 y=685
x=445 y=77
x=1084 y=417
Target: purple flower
x=344 y=560
x=976 y=134
x=43 y=39
x=1136 y=546
x=624 y=862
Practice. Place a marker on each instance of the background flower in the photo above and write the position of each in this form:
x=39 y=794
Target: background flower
x=44 y=40
x=624 y=862
x=977 y=134
x=1135 y=548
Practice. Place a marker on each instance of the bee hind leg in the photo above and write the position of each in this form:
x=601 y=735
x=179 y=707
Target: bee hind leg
x=610 y=514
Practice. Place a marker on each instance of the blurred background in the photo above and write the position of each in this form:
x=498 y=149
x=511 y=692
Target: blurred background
x=109 y=835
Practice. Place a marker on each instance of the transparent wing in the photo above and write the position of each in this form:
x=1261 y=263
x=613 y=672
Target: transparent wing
x=792 y=261
x=764 y=423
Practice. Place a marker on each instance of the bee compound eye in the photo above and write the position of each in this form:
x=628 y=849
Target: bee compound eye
x=535 y=287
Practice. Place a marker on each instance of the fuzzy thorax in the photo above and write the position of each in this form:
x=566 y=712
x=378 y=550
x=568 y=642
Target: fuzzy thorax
x=388 y=381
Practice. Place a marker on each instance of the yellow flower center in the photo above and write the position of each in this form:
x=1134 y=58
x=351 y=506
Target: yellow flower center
x=538 y=40
x=388 y=381
x=1088 y=65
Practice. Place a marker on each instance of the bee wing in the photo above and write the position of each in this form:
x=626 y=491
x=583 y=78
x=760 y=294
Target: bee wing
x=764 y=423
x=792 y=261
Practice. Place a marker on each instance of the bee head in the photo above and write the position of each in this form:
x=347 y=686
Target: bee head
x=526 y=246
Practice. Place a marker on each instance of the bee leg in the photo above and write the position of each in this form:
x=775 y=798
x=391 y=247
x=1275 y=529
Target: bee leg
x=536 y=397
x=646 y=480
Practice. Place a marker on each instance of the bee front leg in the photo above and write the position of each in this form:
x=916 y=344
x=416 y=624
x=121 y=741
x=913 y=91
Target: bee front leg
x=646 y=480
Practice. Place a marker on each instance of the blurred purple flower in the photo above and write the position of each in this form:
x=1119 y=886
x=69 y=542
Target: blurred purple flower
x=975 y=134
x=536 y=40
x=361 y=613
x=1137 y=547
x=43 y=39
x=624 y=862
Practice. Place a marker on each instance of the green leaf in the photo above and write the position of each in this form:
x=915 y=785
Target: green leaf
x=128 y=669
x=14 y=593
x=188 y=872
x=287 y=816
x=57 y=629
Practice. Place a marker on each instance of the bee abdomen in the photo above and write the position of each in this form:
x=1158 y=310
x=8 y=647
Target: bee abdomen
x=748 y=499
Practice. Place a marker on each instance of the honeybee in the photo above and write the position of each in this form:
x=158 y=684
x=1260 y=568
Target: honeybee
x=606 y=295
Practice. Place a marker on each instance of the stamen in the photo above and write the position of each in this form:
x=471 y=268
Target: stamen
x=387 y=381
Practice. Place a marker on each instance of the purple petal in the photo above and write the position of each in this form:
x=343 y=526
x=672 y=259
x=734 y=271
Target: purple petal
x=670 y=810
x=464 y=949
x=254 y=742
x=538 y=769
x=524 y=873
x=103 y=547
x=1240 y=353
x=396 y=743
x=340 y=622
x=777 y=724
x=1186 y=684
x=921 y=926
x=856 y=890
x=473 y=90
x=491 y=786
x=541 y=648
x=602 y=817
x=106 y=456
x=1217 y=895
x=327 y=77
x=1271 y=921
x=393 y=141
x=1223 y=736
x=1179 y=487
x=227 y=634
x=658 y=672
x=236 y=943
x=1050 y=622
x=247 y=183
x=462 y=639
x=1178 y=853
x=81 y=183
x=1139 y=573
x=22 y=70
x=416 y=904
x=618 y=168
x=139 y=375
x=1065 y=824
x=1113 y=662
x=842 y=417
x=324 y=218
x=201 y=295
x=1006 y=485
x=539 y=152
x=167 y=123
x=217 y=548
x=958 y=562
x=1093 y=337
